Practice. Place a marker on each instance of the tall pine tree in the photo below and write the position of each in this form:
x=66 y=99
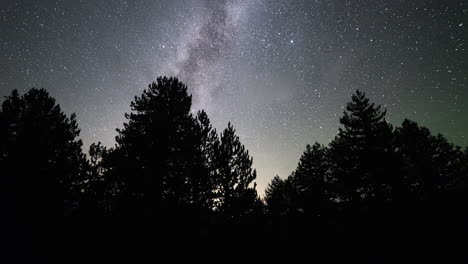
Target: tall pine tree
x=431 y=164
x=202 y=183
x=41 y=158
x=310 y=175
x=276 y=197
x=235 y=196
x=362 y=153
x=153 y=159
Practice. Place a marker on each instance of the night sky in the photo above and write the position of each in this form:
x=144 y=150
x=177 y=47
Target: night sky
x=280 y=71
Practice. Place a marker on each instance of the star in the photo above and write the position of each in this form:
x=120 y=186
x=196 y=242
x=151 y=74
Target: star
x=280 y=71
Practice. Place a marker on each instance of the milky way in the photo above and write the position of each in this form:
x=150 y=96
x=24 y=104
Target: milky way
x=280 y=71
x=205 y=50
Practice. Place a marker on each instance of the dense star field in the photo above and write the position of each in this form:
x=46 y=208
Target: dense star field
x=280 y=71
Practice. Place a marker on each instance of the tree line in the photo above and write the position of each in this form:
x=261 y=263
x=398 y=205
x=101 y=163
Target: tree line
x=172 y=179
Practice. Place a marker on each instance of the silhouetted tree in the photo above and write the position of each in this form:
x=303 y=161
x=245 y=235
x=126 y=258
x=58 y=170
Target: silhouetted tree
x=41 y=158
x=41 y=167
x=171 y=178
x=202 y=183
x=284 y=197
x=94 y=196
x=310 y=175
x=431 y=164
x=153 y=158
x=234 y=175
x=362 y=152
x=275 y=197
x=462 y=180
x=305 y=190
x=97 y=153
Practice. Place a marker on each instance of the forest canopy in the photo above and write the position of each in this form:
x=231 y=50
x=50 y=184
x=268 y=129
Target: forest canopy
x=173 y=177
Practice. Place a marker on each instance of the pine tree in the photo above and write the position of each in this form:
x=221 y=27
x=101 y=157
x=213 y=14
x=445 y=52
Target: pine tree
x=431 y=164
x=202 y=182
x=153 y=158
x=94 y=198
x=275 y=197
x=234 y=175
x=461 y=182
x=311 y=176
x=41 y=159
x=362 y=152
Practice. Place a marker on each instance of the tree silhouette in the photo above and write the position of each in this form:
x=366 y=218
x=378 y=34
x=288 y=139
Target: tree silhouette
x=276 y=198
x=41 y=158
x=361 y=152
x=172 y=179
x=41 y=166
x=234 y=175
x=153 y=156
x=310 y=175
x=202 y=183
x=94 y=197
x=461 y=182
x=431 y=164
x=305 y=190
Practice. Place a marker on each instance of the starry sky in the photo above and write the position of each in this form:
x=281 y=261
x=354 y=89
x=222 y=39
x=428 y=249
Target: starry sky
x=280 y=71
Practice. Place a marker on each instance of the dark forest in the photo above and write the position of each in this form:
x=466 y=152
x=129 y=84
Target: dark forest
x=172 y=184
